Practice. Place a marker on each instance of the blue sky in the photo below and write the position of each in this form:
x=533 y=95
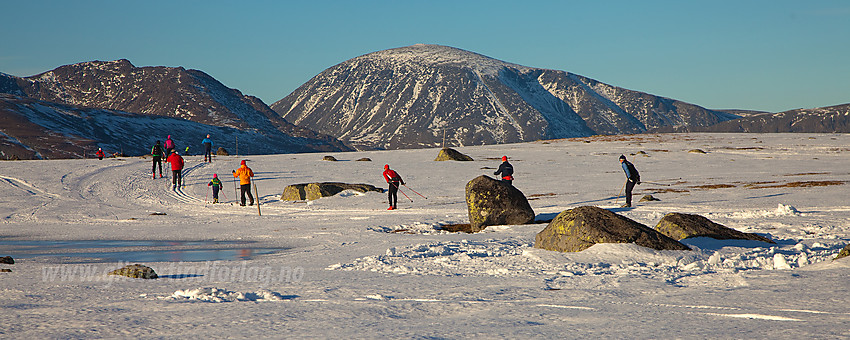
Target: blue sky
x=758 y=55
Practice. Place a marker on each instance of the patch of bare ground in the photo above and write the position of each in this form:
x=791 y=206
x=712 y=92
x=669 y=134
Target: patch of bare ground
x=750 y=185
x=802 y=184
x=457 y=227
x=666 y=190
x=659 y=150
x=808 y=173
x=712 y=186
x=539 y=196
x=743 y=148
x=402 y=231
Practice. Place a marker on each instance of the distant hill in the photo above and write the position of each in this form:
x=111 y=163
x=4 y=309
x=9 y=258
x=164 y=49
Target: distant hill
x=172 y=92
x=410 y=97
x=818 y=120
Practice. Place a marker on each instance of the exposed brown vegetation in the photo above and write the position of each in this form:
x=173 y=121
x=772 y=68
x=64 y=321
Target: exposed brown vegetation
x=712 y=186
x=802 y=184
x=541 y=195
x=666 y=190
x=808 y=173
x=458 y=227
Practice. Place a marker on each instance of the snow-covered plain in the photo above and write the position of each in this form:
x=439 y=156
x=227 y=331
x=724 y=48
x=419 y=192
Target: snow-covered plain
x=347 y=268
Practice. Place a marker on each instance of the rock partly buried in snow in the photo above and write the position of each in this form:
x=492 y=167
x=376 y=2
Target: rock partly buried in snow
x=843 y=253
x=648 y=198
x=222 y=152
x=680 y=226
x=7 y=260
x=580 y=228
x=135 y=271
x=364 y=159
x=314 y=191
x=329 y=158
x=449 y=154
x=493 y=202
x=696 y=151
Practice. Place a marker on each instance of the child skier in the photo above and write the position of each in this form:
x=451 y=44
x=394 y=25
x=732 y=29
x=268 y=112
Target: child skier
x=216 y=186
x=99 y=154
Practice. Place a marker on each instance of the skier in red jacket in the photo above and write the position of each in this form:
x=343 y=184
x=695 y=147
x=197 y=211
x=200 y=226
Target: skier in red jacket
x=176 y=169
x=393 y=179
x=99 y=154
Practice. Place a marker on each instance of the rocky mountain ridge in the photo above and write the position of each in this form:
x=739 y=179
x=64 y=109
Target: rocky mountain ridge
x=173 y=92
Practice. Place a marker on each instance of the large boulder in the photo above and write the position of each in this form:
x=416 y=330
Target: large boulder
x=580 y=228
x=135 y=271
x=449 y=154
x=314 y=191
x=7 y=260
x=222 y=152
x=493 y=202
x=680 y=226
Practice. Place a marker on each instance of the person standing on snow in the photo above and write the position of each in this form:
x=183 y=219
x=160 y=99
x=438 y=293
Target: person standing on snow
x=632 y=178
x=157 y=153
x=244 y=173
x=208 y=144
x=393 y=179
x=216 y=186
x=99 y=154
x=176 y=169
x=169 y=146
x=507 y=171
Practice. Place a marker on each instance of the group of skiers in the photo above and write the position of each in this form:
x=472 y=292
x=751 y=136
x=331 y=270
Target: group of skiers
x=393 y=179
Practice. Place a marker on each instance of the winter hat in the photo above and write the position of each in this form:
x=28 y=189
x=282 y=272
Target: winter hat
x=169 y=136
x=208 y=136
x=504 y=158
x=175 y=152
x=243 y=162
x=215 y=175
x=623 y=157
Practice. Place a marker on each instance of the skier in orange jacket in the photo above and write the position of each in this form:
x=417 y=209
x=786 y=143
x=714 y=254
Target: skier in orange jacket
x=244 y=174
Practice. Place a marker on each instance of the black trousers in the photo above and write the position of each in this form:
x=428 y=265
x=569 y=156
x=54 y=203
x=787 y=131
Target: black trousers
x=392 y=194
x=246 y=189
x=177 y=177
x=629 y=186
x=156 y=160
x=208 y=152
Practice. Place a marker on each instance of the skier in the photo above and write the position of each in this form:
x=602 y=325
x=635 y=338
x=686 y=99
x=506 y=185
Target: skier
x=186 y=152
x=244 y=173
x=216 y=186
x=207 y=149
x=99 y=154
x=393 y=179
x=169 y=146
x=157 y=153
x=632 y=178
x=176 y=169
x=507 y=171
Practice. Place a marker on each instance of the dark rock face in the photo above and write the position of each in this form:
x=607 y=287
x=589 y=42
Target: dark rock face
x=413 y=97
x=7 y=260
x=580 y=228
x=135 y=271
x=189 y=95
x=449 y=154
x=681 y=226
x=492 y=202
x=314 y=191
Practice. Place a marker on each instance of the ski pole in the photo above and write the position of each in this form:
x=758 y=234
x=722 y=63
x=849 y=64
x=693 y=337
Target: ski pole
x=414 y=191
x=235 y=193
x=618 y=193
x=257 y=193
x=402 y=192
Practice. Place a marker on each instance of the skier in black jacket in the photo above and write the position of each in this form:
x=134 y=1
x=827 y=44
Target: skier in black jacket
x=507 y=171
x=632 y=178
x=157 y=154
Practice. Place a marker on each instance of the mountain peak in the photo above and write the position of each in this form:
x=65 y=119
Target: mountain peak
x=440 y=55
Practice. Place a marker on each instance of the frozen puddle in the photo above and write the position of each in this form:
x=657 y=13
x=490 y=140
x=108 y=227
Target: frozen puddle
x=135 y=251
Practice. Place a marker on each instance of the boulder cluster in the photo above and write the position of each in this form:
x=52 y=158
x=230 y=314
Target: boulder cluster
x=314 y=191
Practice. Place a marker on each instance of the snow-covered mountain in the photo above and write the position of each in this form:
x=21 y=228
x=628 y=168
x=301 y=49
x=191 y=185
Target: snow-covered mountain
x=411 y=96
x=164 y=91
x=818 y=120
x=35 y=129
